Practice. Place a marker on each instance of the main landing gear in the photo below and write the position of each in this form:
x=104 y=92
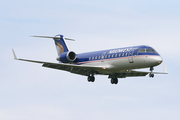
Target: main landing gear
x=151 y=73
x=114 y=81
x=91 y=78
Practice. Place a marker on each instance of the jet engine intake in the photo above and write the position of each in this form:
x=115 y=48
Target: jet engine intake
x=67 y=57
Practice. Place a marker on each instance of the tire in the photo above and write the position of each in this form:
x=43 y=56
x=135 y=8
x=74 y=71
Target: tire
x=112 y=81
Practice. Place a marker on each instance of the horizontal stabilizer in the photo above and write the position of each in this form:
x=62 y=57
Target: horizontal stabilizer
x=56 y=37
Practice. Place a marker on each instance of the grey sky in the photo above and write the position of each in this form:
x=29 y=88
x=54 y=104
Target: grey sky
x=29 y=91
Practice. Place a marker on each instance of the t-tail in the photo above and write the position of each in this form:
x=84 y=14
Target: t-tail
x=64 y=55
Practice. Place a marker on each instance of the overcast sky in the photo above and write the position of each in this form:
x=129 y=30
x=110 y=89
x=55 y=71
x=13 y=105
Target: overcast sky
x=31 y=92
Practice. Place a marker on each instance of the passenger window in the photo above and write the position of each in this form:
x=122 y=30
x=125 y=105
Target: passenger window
x=112 y=55
x=106 y=56
x=116 y=55
x=123 y=54
x=126 y=54
x=92 y=58
x=109 y=56
x=96 y=58
x=119 y=54
x=89 y=58
x=99 y=57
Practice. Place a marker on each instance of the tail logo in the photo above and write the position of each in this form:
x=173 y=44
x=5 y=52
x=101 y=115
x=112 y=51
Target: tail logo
x=61 y=47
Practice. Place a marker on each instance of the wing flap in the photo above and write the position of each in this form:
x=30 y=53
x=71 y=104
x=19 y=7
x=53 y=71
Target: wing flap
x=72 y=69
x=134 y=74
x=128 y=74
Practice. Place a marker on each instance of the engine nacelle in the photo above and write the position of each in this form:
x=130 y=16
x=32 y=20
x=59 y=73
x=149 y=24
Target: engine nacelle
x=67 y=57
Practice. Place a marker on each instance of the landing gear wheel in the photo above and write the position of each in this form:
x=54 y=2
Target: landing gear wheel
x=151 y=75
x=114 y=81
x=91 y=79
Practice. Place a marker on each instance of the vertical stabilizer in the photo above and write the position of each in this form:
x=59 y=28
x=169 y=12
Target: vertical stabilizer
x=60 y=44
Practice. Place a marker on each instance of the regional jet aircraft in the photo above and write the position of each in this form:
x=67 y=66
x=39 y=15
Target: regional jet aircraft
x=116 y=63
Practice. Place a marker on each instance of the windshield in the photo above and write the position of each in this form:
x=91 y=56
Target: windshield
x=144 y=50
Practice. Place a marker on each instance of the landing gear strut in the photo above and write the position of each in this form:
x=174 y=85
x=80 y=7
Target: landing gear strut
x=114 y=81
x=151 y=73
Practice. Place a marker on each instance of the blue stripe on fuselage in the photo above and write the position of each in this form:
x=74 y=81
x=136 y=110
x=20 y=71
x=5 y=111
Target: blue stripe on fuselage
x=111 y=54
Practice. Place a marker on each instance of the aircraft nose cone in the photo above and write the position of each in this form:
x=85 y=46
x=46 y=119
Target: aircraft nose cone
x=158 y=60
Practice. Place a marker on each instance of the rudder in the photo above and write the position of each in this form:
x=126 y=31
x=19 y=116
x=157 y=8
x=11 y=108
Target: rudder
x=60 y=44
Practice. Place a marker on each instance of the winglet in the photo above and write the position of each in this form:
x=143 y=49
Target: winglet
x=165 y=70
x=14 y=55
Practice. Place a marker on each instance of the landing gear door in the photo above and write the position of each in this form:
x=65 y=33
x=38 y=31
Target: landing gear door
x=130 y=57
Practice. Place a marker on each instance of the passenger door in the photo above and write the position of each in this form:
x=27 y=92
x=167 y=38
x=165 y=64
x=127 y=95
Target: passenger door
x=130 y=57
x=103 y=56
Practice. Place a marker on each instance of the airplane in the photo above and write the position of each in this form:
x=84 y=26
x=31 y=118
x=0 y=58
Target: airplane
x=116 y=63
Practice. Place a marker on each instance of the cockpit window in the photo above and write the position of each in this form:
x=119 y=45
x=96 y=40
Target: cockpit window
x=143 y=50
x=150 y=51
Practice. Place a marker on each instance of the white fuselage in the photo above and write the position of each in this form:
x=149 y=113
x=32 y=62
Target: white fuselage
x=127 y=63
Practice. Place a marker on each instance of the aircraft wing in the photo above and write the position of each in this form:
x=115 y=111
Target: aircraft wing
x=84 y=70
x=164 y=72
x=130 y=74
x=77 y=69
x=73 y=68
x=133 y=73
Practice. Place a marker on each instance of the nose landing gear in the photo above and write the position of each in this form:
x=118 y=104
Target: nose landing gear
x=151 y=73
